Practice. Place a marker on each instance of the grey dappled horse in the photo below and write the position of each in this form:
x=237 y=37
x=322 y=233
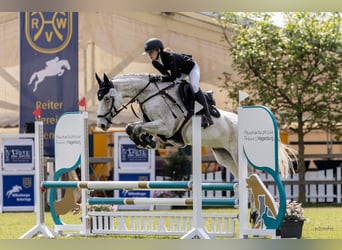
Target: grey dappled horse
x=165 y=117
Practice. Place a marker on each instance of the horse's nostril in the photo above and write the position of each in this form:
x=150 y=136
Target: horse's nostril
x=103 y=126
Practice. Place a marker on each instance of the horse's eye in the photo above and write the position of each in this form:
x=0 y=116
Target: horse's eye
x=106 y=98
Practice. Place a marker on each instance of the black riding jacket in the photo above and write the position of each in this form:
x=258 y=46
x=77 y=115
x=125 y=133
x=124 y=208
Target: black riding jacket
x=173 y=64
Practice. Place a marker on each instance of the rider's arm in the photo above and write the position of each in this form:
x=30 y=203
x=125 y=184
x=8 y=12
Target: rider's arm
x=169 y=62
x=160 y=67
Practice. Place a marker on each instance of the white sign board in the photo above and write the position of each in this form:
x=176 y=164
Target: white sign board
x=69 y=135
x=259 y=136
x=131 y=158
x=18 y=154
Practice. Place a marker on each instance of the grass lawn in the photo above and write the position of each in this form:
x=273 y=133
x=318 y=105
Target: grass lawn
x=322 y=223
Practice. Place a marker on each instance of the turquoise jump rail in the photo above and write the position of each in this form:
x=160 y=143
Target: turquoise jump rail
x=134 y=185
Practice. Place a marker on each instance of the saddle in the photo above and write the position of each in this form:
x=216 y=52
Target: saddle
x=187 y=96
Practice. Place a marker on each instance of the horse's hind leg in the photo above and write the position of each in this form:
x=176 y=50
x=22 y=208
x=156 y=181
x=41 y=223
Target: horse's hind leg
x=224 y=158
x=36 y=84
x=33 y=77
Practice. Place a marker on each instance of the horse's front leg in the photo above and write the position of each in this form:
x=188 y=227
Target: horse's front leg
x=141 y=140
x=143 y=132
x=157 y=127
x=61 y=72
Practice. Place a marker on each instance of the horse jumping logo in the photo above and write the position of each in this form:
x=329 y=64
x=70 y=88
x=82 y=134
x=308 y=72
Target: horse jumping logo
x=14 y=189
x=54 y=67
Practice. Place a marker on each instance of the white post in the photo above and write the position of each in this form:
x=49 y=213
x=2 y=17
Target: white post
x=198 y=231
x=243 y=173
x=39 y=206
x=85 y=174
x=243 y=191
x=338 y=186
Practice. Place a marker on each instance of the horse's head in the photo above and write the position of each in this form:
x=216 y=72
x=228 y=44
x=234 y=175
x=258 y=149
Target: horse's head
x=64 y=64
x=110 y=102
x=67 y=65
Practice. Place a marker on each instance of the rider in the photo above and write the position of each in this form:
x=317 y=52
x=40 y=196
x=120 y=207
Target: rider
x=174 y=66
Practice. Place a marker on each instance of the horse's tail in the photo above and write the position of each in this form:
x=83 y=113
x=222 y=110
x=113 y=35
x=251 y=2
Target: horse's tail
x=286 y=156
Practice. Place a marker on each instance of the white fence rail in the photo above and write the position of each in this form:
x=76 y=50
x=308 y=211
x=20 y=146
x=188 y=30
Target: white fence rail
x=160 y=223
x=321 y=185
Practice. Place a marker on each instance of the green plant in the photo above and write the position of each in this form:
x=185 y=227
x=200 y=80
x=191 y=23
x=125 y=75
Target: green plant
x=294 y=211
x=177 y=166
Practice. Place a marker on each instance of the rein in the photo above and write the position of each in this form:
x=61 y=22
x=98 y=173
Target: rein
x=113 y=111
x=164 y=94
x=117 y=111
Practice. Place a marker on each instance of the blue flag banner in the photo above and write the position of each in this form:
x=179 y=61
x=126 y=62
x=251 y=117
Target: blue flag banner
x=48 y=69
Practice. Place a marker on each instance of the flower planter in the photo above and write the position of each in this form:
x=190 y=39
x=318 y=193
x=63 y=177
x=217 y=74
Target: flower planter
x=291 y=229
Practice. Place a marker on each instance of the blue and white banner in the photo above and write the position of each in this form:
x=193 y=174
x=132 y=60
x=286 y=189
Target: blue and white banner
x=48 y=69
x=18 y=154
x=134 y=193
x=18 y=192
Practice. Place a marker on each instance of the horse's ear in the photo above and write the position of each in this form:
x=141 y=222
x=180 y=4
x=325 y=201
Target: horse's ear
x=107 y=81
x=98 y=79
x=105 y=78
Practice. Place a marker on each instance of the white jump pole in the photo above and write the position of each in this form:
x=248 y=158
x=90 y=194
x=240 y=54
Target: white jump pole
x=198 y=231
x=40 y=226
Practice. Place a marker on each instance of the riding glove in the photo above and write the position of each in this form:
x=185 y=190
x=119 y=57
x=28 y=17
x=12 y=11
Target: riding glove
x=155 y=78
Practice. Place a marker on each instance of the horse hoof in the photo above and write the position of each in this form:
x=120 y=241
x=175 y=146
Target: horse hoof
x=129 y=129
x=153 y=144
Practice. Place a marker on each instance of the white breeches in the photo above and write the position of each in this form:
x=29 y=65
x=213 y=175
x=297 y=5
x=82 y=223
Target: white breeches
x=194 y=77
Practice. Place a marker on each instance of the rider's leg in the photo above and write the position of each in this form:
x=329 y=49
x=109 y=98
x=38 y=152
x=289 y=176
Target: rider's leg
x=194 y=76
x=206 y=121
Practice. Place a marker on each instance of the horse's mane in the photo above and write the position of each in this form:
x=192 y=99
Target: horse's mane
x=131 y=76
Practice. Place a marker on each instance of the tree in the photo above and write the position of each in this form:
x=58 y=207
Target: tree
x=178 y=168
x=294 y=70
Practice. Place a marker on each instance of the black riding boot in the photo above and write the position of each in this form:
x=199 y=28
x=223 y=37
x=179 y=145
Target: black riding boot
x=206 y=119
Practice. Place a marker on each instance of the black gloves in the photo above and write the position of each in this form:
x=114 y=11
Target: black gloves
x=155 y=78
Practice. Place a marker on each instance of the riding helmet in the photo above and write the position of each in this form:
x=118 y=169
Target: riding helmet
x=153 y=44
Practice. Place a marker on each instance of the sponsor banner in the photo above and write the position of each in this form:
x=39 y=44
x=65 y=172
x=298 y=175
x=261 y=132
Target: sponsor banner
x=134 y=193
x=18 y=192
x=18 y=154
x=132 y=158
x=48 y=69
x=130 y=153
